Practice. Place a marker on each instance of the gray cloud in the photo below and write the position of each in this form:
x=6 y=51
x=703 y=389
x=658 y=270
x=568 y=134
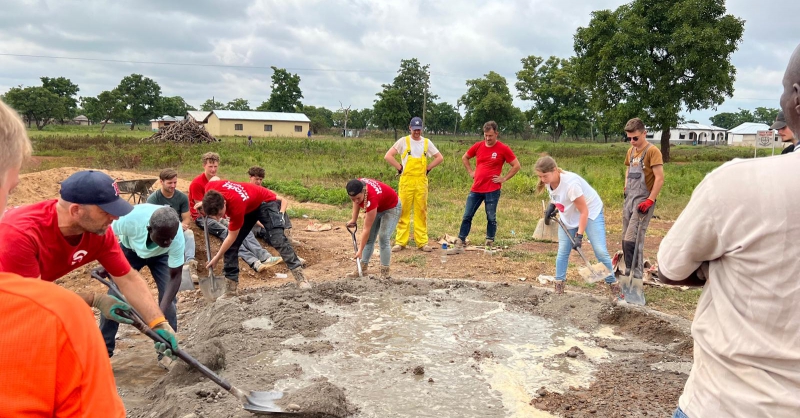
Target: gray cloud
x=460 y=40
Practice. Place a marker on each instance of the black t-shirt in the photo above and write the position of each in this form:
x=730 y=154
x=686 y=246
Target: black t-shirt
x=788 y=149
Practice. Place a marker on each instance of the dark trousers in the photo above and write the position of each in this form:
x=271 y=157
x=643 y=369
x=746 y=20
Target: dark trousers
x=270 y=216
x=159 y=268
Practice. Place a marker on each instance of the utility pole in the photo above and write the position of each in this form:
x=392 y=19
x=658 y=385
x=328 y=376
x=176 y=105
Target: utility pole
x=346 y=115
x=458 y=115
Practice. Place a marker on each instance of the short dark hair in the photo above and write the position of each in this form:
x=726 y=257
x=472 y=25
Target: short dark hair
x=167 y=174
x=213 y=202
x=354 y=187
x=490 y=126
x=634 y=125
x=256 y=171
x=165 y=218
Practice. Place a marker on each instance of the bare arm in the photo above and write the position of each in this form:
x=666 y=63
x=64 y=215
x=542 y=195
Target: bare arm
x=135 y=290
x=284 y=204
x=580 y=204
x=658 y=171
x=186 y=218
x=389 y=157
x=437 y=159
x=354 y=216
x=515 y=166
x=172 y=287
x=465 y=160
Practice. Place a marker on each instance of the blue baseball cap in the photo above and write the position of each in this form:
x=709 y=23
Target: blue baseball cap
x=95 y=188
x=416 y=123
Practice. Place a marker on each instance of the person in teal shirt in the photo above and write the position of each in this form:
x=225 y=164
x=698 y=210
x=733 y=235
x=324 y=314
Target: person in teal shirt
x=151 y=236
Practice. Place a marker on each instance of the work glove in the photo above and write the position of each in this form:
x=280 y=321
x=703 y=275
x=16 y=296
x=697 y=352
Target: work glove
x=578 y=241
x=427 y=172
x=400 y=170
x=111 y=307
x=167 y=333
x=549 y=213
x=645 y=206
x=624 y=192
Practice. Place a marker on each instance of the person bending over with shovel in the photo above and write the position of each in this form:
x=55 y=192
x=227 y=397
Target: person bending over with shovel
x=382 y=208
x=245 y=204
x=581 y=213
x=52 y=361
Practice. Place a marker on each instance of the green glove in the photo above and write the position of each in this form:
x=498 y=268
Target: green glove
x=166 y=332
x=111 y=307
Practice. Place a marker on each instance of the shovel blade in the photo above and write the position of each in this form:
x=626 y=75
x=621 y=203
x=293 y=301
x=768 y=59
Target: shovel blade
x=263 y=403
x=186 y=281
x=212 y=287
x=632 y=289
x=600 y=273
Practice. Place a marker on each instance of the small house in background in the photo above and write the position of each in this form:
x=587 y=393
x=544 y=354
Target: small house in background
x=81 y=120
x=745 y=134
x=251 y=123
x=692 y=134
x=198 y=116
x=163 y=121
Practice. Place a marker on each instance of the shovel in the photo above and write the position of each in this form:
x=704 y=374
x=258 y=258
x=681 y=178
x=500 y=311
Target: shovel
x=593 y=275
x=211 y=286
x=355 y=247
x=255 y=402
x=633 y=288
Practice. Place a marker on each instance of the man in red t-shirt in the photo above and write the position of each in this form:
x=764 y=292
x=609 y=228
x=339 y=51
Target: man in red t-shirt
x=382 y=208
x=52 y=359
x=49 y=239
x=245 y=204
x=490 y=155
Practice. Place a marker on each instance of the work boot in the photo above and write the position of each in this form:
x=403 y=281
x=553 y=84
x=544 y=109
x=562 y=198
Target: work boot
x=616 y=292
x=302 y=283
x=294 y=242
x=559 y=287
x=354 y=274
x=458 y=249
x=489 y=243
x=193 y=270
x=231 y=288
x=398 y=248
x=385 y=275
x=425 y=248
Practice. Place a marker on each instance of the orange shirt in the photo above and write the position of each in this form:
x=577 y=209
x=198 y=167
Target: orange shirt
x=53 y=361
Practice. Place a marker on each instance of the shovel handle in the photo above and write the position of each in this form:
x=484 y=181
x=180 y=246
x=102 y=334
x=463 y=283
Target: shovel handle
x=580 y=253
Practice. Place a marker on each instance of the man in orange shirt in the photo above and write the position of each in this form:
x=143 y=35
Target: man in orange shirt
x=53 y=360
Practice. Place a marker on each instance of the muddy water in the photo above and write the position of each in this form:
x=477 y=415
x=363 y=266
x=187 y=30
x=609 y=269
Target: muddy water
x=479 y=357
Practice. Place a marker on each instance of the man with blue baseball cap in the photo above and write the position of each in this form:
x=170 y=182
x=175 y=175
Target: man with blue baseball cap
x=49 y=239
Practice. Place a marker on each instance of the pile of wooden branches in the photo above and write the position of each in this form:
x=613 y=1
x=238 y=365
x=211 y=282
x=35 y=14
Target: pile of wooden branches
x=186 y=131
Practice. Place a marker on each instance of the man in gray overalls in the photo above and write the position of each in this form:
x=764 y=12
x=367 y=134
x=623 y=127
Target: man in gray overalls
x=644 y=177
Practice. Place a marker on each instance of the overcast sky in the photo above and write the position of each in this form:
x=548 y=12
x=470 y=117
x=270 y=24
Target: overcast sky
x=342 y=50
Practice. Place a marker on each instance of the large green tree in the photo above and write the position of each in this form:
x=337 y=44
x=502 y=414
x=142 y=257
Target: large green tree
x=413 y=80
x=212 y=104
x=486 y=99
x=730 y=120
x=107 y=106
x=360 y=119
x=238 y=104
x=559 y=101
x=391 y=111
x=661 y=57
x=321 y=118
x=286 y=93
x=174 y=106
x=765 y=115
x=442 y=117
x=38 y=104
x=66 y=90
x=141 y=96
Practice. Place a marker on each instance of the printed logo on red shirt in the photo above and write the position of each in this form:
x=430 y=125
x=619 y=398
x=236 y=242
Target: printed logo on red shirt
x=238 y=189
x=78 y=256
x=494 y=155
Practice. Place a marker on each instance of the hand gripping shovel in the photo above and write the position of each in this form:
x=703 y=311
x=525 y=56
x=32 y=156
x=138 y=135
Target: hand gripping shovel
x=211 y=286
x=355 y=247
x=255 y=402
x=633 y=288
x=593 y=276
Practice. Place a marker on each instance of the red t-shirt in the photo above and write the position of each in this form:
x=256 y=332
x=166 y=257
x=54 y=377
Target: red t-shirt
x=32 y=245
x=380 y=196
x=53 y=362
x=489 y=163
x=197 y=189
x=240 y=199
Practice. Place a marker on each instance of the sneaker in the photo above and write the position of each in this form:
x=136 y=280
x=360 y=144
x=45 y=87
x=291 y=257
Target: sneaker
x=398 y=247
x=354 y=274
x=271 y=261
x=488 y=243
x=193 y=270
x=425 y=248
x=559 y=287
x=458 y=249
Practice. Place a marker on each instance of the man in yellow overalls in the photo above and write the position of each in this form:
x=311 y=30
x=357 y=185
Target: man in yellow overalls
x=413 y=170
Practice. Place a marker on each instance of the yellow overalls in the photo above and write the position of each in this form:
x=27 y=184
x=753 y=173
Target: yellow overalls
x=413 y=190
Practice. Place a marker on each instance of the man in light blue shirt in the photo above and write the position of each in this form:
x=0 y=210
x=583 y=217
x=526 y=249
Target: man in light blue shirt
x=151 y=236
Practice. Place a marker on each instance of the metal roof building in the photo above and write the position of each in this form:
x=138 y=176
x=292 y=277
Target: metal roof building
x=253 y=123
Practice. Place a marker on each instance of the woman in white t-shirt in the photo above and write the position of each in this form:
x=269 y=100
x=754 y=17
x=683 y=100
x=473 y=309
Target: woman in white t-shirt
x=581 y=212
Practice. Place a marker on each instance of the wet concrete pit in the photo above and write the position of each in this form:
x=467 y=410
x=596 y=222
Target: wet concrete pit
x=423 y=348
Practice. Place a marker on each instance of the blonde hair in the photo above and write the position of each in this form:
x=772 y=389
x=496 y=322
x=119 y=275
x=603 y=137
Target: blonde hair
x=14 y=143
x=210 y=157
x=545 y=164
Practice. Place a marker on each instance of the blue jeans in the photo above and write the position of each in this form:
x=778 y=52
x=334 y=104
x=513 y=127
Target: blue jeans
x=188 y=252
x=596 y=232
x=474 y=201
x=159 y=268
x=679 y=413
x=382 y=229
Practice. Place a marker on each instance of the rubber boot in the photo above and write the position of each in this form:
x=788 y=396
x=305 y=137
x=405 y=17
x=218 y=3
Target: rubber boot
x=616 y=292
x=354 y=274
x=385 y=275
x=458 y=249
x=231 y=288
x=302 y=283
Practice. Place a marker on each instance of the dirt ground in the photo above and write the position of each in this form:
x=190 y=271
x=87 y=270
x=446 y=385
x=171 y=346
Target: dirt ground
x=643 y=378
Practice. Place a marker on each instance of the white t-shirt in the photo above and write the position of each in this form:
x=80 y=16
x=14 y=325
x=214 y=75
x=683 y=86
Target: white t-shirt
x=571 y=187
x=746 y=328
x=416 y=148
